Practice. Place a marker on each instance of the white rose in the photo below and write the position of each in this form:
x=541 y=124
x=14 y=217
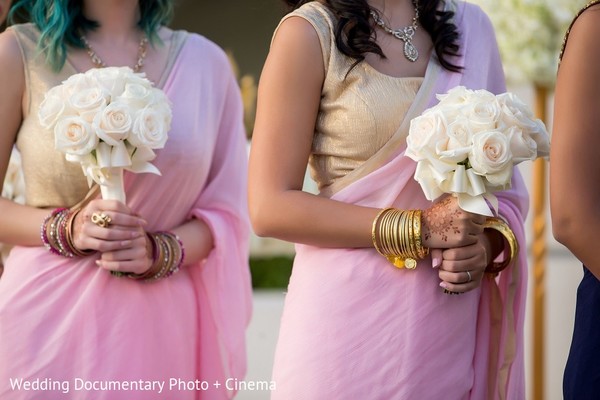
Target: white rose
x=513 y=104
x=113 y=123
x=459 y=141
x=151 y=126
x=522 y=147
x=519 y=116
x=74 y=135
x=53 y=107
x=113 y=79
x=425 y=134
x=539 y=134
x=456 y=96
x=76 y=83
x=136 y=95
x=484 y=111
x=88 y=102
x=491 y=157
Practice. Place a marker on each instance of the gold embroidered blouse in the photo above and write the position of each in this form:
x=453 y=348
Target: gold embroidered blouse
x=360 y=108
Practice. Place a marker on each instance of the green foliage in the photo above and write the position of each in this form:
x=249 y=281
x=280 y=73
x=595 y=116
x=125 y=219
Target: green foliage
x=271 y=273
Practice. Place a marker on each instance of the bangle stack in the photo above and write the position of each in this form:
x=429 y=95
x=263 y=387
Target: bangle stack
x=502 y=227
x=396 y=235
x=167 y=257
x=57 y=234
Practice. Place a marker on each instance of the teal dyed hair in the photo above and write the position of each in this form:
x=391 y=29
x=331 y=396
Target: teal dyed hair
x=60 y=23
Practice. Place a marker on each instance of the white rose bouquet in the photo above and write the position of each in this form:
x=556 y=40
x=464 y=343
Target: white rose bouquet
x=469 y=142
x=108 y=119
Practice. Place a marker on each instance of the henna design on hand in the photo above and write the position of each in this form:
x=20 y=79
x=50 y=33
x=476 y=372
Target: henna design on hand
x=440 y=220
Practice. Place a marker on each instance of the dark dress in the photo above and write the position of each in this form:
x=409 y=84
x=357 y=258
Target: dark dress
x=582 y=373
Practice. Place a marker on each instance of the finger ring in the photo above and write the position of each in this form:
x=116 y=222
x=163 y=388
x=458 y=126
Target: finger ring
x=470 y=277
x=101 y=219
x=451 y=292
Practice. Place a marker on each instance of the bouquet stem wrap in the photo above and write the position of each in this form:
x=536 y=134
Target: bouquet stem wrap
x=113 y=188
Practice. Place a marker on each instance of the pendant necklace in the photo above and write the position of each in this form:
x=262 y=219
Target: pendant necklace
x=98 y=63
x=406 y=34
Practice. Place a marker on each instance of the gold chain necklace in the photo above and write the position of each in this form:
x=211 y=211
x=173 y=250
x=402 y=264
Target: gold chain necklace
x=405 y=34
x=98 y=63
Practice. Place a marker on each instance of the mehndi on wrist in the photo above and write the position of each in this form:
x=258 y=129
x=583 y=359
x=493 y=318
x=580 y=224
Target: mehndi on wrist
x=502 y=227
x=396 y=235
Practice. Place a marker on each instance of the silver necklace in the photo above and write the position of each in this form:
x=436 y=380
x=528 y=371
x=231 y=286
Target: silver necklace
x=98 y=63
x=406 y=34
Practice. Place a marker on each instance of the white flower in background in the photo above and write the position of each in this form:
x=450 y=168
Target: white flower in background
x=529 y=34
x=468 y=144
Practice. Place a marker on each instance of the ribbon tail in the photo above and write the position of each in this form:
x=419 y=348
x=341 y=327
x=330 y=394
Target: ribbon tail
x=474 y=204
x=492 y=201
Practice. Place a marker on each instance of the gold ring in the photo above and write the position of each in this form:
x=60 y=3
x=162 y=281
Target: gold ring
x=101 y=219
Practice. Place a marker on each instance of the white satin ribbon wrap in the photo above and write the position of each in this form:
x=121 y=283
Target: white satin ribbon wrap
x=106 y=168
x=437 y=178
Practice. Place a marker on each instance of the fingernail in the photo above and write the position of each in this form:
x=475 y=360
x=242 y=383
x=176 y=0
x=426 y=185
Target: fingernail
x=126 y=243
x=436 y=261
x=99 y=263
x=444 y=285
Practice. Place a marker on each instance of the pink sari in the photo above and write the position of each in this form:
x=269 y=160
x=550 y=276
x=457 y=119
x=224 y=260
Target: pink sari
x=355 y=327
x=81 y=333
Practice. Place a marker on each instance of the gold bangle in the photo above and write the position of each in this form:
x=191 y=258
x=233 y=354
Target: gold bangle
x=396 y=235
x=502 y=227
x=397 y=256
x=374 y=229
x=422 y=252
x=410 y=259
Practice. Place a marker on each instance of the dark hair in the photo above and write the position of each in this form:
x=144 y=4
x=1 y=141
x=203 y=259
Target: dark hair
x=60 y=22
x=354 y=32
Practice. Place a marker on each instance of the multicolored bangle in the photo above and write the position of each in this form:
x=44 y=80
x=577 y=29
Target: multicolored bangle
x=56 y=234
x=167 y=257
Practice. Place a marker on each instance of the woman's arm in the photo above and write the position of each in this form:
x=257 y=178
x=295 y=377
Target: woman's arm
x=18 y=224
x=574 y=166
x=288 y=102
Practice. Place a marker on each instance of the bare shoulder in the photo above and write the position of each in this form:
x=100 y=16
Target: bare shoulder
x=582 y=40
x=12 y=71
x=296 y=52
x=11 y=60
x=586 y=26
x=296 y=33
